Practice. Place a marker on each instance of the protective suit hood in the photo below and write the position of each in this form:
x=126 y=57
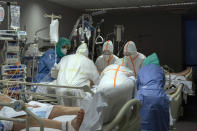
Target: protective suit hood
x=108 y=45
x=130 y=48
x=83 y=50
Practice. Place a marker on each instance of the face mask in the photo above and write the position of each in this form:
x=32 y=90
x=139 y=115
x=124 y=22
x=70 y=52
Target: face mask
x=133 y=54
x=106 y=57
x=64 y=51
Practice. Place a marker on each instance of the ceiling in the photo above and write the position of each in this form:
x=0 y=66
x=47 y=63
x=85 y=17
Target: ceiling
x=92 y=4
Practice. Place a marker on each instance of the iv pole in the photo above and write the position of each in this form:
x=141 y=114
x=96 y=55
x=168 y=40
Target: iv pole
x=52 y=16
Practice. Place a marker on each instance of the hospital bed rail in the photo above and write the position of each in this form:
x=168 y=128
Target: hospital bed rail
x=176 y=103
x=46 y=97
x=85 y=88
x=20 y=106
x=132 y=121
x=187 y=73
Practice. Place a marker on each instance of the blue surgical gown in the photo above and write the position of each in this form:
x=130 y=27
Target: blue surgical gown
x=45 y=64
x=155 y=104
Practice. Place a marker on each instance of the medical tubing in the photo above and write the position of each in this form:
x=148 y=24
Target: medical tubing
x=74 y=28
x=55 y=55
x=94 y=42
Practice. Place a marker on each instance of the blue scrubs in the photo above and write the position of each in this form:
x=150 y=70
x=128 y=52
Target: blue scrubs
x=155 y=104
x=45 y=64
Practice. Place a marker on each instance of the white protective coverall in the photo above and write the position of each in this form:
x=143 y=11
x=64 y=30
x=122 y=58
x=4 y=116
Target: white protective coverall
x=134 y=60
x=106 y=59
x=75 y=70
x=115 y=81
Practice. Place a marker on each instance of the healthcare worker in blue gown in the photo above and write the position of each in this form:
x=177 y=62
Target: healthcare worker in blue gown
x=47 y=60
x=155 y=103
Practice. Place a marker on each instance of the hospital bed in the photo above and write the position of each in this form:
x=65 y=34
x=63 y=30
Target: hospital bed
x=179 y=87
x=122 y=121
x=176 y=103
x=49 y=98
x=20 y=106
x=184 y=77
x=127 y=118
x=176 y=97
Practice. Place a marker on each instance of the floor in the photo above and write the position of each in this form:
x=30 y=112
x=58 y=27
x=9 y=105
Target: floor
x=189 y=120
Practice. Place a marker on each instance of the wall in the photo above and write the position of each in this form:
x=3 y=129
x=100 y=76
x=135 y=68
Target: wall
x=160 y=33
x=32 y=18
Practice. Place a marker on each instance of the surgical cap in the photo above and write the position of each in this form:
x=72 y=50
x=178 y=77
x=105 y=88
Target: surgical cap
x=130 y=48
x=83 y=50
x=108 y=46
x=62 y=42
x=152 y=59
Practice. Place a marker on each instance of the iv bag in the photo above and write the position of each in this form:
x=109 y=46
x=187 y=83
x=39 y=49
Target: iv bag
x=54 y=31
x=88 y=34
x=15 y=16
x=2 y=14
x=80 y=30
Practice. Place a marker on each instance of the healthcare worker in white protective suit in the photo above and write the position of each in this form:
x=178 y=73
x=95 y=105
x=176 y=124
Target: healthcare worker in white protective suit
x=107 y=58
x=132 y=59
x=75 y=70
x=115 y=88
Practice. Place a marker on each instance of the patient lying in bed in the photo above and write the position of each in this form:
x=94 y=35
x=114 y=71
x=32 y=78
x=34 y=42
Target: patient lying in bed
x=178 y=78
x=115 y=80
x=51 y=112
